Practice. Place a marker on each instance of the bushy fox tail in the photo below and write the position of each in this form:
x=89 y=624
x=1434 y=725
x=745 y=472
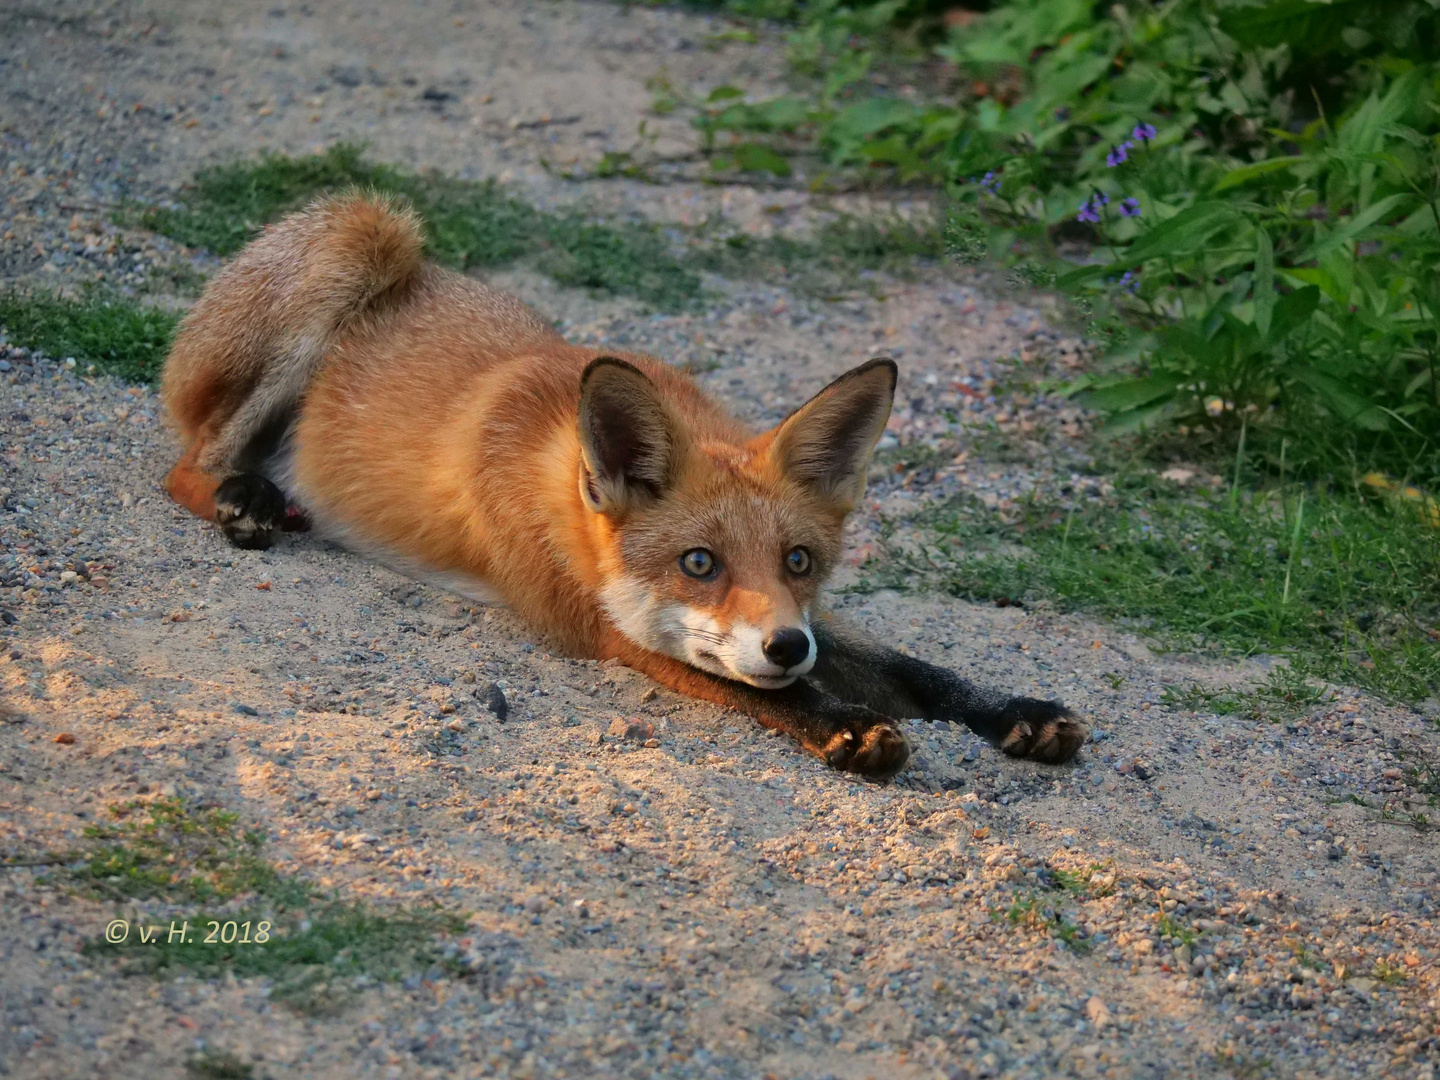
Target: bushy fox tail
x=247 y=351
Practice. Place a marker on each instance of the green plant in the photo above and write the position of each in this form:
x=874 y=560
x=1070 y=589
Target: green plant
x=166 y=848
x=1175 y=930
x=115 y=335
x=468 y=223
x=1347 y=592
x=212 y=1064
x=313 y=947
x=1242 y=198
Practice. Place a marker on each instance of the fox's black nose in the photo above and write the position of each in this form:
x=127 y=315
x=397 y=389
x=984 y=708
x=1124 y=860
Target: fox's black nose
x=787 y=647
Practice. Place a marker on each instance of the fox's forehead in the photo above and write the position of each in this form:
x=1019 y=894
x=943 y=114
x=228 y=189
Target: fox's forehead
x=741 y=517
x=730 y=459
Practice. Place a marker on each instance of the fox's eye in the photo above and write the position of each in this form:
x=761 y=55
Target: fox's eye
x=798 y=561
x=697 y=562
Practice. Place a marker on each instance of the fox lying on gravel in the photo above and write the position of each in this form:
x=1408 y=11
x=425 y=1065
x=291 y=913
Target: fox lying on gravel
x=418 y=416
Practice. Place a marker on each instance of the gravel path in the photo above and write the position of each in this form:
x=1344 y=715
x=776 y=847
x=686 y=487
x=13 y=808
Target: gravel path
x=707 y=902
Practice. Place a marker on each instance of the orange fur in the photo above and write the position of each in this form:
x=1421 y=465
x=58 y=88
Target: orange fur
x=423 y=417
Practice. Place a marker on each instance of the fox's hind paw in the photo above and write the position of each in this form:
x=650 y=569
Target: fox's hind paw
x=248 y=508
x=1043 y=731
x=873 y=748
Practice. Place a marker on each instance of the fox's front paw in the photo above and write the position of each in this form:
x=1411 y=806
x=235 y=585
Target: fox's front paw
x=1042 y=731
x=248 y=508
x=873 y=747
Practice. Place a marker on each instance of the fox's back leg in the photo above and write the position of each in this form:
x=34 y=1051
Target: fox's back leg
x=227 y=474
x=248 y=351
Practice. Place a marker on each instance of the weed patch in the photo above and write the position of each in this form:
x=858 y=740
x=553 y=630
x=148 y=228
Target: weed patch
x=316 y=960
x=1032 y=912
x=116 y=336
x=478 y=223
x=1346 y=588
x=164 y=849
x=840 y=253
x=316 y=950
x=218 y=1065
x=468 y=223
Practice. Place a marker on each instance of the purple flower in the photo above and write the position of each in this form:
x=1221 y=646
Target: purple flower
x=1119 y=154
x=1089 y=211
x=991 y=183
x=1130 y=208
x=1129 y=281
x=1144 y=132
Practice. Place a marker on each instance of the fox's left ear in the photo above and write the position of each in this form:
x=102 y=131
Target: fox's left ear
x=628 y=440
x=826 y=444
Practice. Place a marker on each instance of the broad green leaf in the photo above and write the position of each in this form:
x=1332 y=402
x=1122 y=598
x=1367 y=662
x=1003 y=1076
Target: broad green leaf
x=1246 y=173
x=1182 y=234
x=1353 y=227
x=724 y=93
x=1317 y=276
x=1344 y=403
x=1307 y=27
x=869 y=117
x=752 y=157
x=1130 y=394
x=1291 y=310
x=1264 y=281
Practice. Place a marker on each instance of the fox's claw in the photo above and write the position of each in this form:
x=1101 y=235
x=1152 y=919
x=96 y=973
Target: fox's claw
x=248 y=507
x=874 y=748
x=1043 y=731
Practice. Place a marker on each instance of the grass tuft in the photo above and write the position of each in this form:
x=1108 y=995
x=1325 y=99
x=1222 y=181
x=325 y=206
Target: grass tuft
x=211 y=1064
x=117 y=336
x=1350 y=591
x=829 y=262
x=468 y=223
x=316 y=950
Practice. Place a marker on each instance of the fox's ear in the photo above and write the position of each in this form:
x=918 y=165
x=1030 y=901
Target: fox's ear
x=826 y=444
x=627 y=438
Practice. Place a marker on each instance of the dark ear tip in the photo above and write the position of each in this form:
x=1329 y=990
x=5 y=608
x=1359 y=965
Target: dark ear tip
x=883 y=362
x=603 y=363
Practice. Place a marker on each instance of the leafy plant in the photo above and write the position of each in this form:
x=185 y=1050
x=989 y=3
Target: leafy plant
x=1244 y=198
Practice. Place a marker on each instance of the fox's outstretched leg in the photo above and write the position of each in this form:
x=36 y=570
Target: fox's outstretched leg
x=846 y=736
x=862 y=671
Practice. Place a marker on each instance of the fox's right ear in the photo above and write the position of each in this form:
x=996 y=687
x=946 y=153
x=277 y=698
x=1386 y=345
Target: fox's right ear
x=627 y=438
x=826 y=443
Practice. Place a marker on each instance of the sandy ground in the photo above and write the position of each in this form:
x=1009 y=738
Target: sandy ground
x=714 y=905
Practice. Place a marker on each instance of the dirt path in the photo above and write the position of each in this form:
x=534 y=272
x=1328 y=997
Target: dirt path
x=713 y=905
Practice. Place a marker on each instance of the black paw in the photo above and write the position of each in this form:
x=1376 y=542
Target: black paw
x=1041 y=731
x=868 y=744
x=248 y=508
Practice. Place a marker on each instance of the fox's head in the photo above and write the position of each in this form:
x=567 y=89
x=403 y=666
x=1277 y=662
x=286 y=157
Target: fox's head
x=723 y=545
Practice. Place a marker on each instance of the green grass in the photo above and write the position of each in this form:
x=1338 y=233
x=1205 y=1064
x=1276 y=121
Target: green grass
x=1347 y=587
x=167 y=849
x=468 y=223
x=1285 y=693
x=314 y=948
x=115 y=335
x=478 y=223
x=829 y=261
x=211 y=1064
x=1175 y=930
x=1030 y=911
x=313 y=960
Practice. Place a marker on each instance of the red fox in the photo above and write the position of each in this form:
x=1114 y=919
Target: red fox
x=420 y=417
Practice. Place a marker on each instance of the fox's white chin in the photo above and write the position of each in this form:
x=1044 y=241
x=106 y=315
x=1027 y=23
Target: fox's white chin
x=765 y=682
